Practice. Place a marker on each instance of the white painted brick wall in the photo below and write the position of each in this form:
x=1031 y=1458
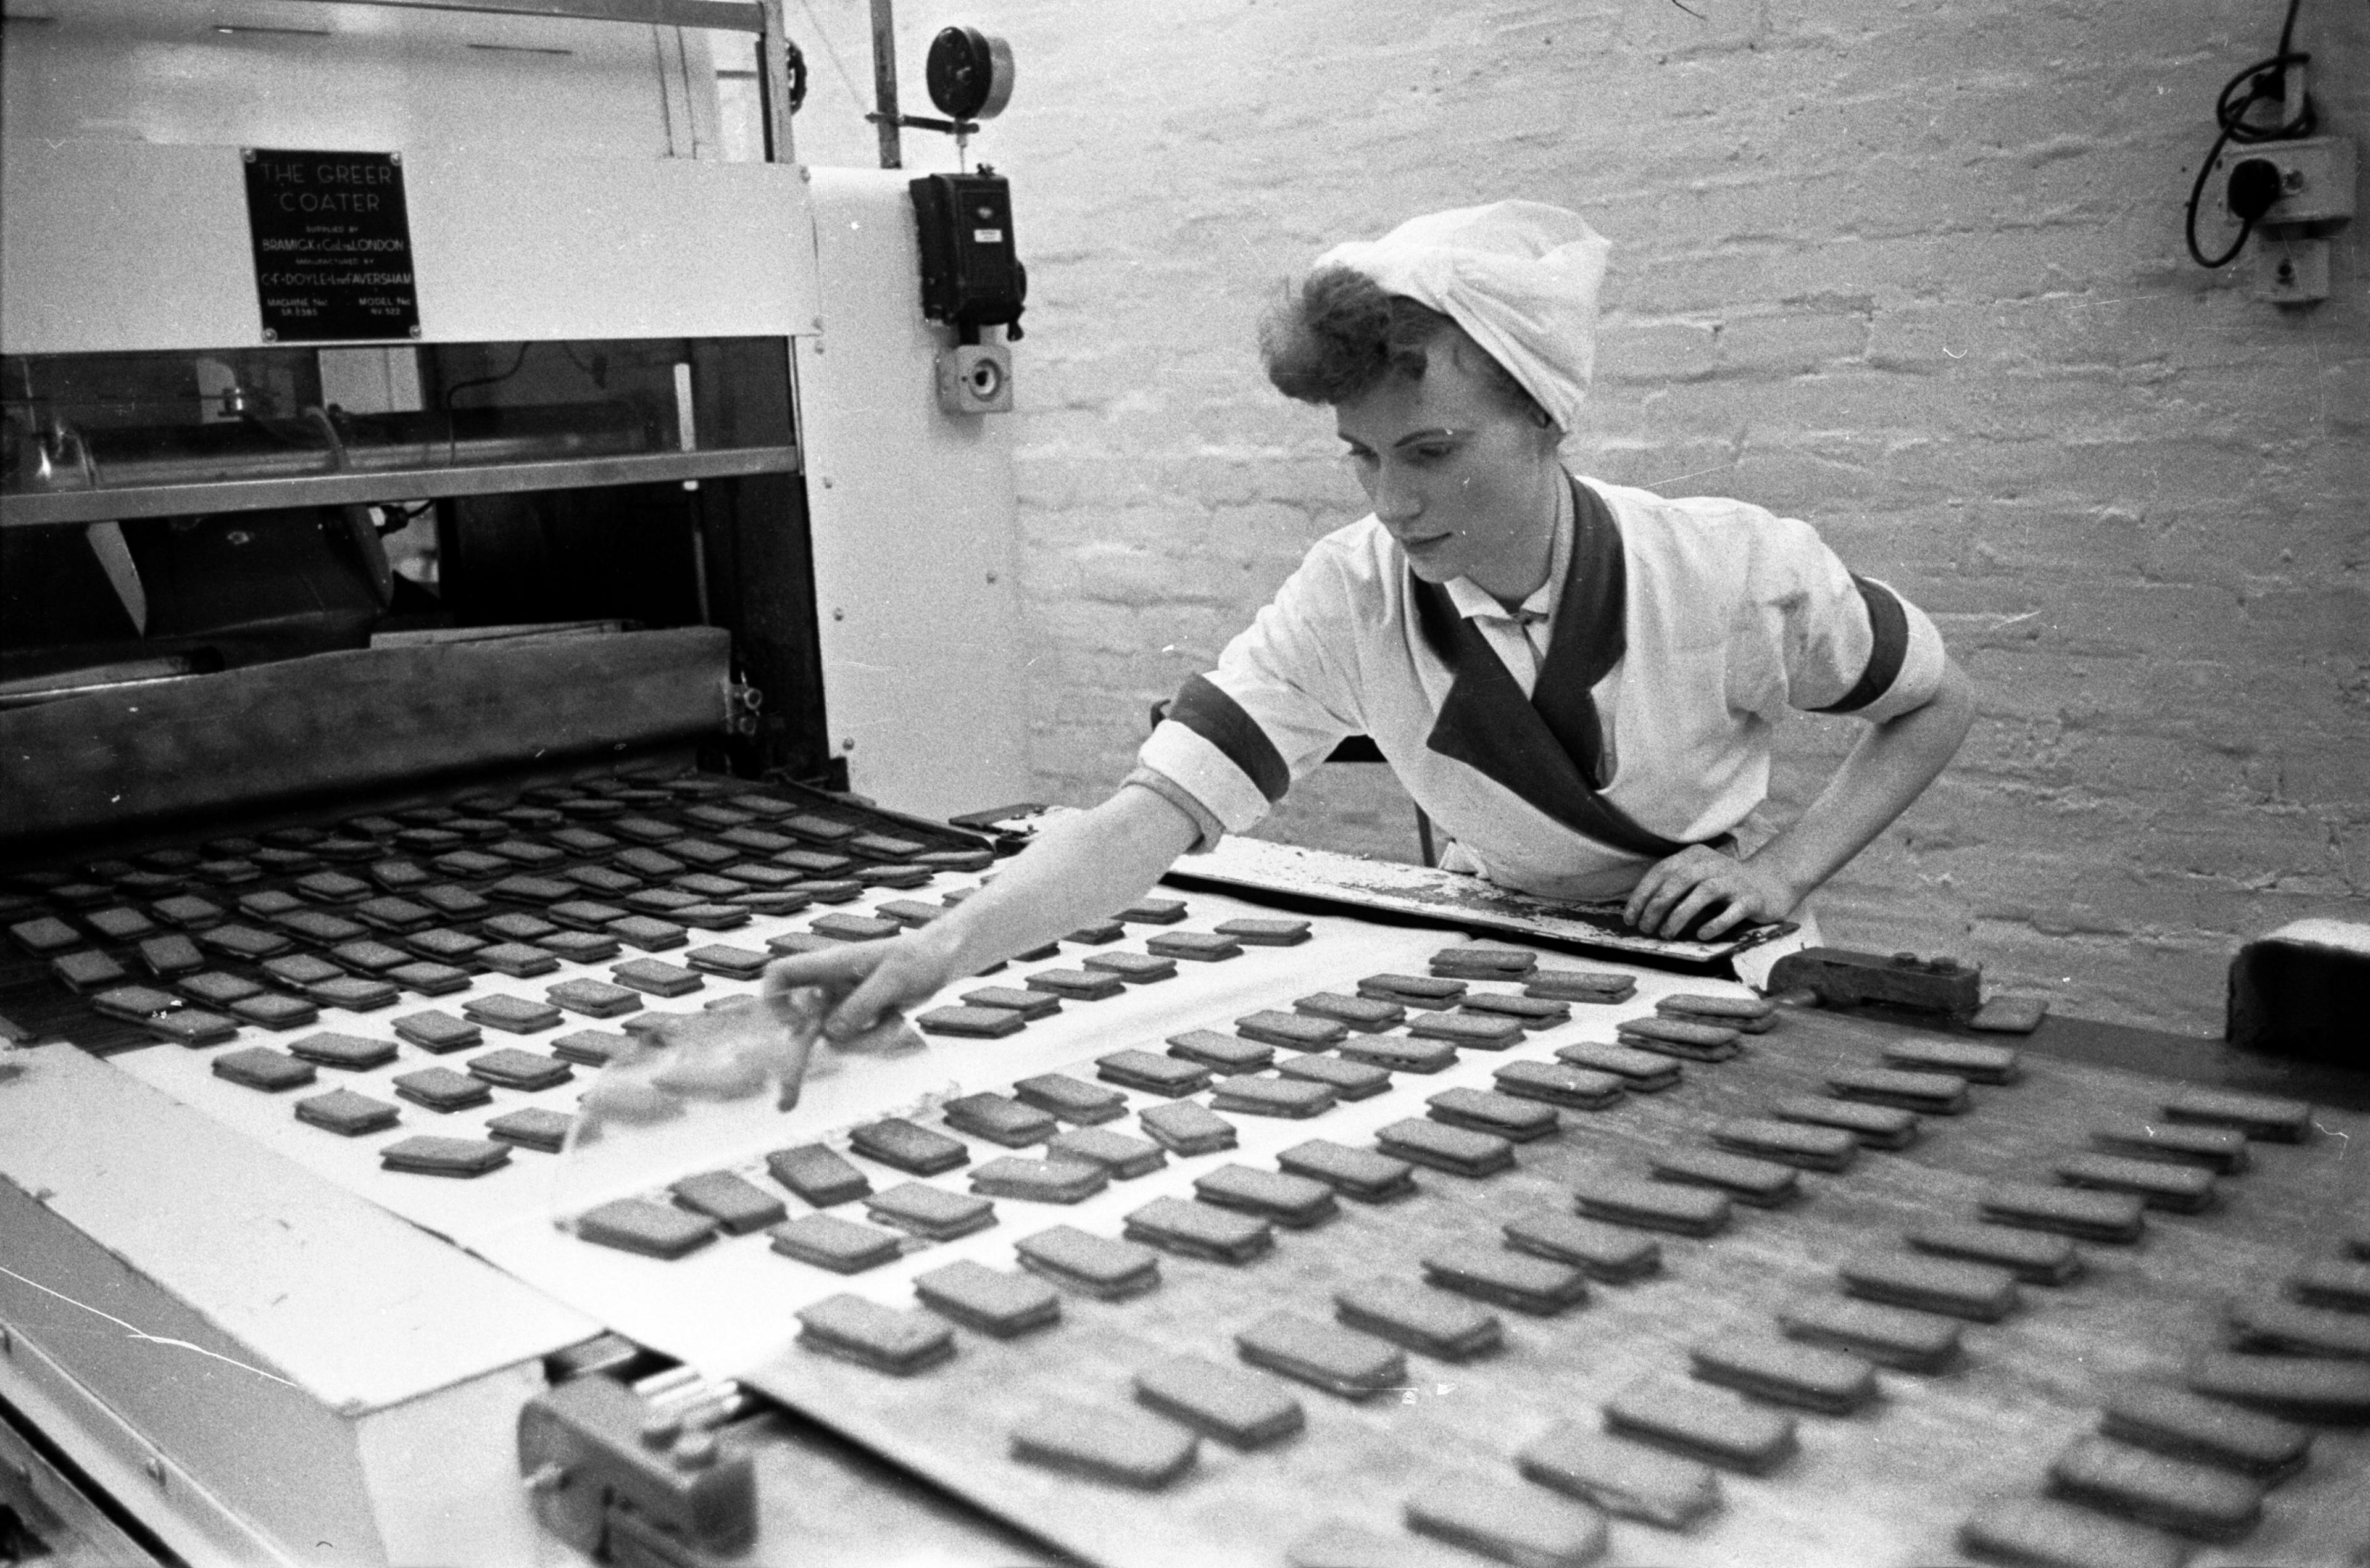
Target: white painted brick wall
x=1910 y=268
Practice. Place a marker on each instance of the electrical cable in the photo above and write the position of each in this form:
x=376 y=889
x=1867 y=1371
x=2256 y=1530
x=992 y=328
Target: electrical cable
x=2264 y=82
x=452 y=431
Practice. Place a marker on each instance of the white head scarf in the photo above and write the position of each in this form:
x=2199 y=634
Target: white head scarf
x=1519 y=277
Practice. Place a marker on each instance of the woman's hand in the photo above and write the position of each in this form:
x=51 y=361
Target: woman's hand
x=1674 y=891
x=866 y=983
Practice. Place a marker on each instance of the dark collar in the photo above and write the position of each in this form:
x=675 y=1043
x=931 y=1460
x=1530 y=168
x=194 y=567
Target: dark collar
x=1547 y=749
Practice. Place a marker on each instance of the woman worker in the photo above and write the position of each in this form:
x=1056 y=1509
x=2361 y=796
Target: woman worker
x=1578 y=681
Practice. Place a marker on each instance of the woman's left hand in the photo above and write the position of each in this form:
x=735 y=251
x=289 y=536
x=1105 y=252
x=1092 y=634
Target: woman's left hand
x=1674 y=891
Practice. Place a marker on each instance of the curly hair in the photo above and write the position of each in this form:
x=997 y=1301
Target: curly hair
x=1339 y=334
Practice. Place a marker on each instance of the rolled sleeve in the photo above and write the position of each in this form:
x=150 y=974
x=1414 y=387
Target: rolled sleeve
x=1848 y=643
x=1276 y=705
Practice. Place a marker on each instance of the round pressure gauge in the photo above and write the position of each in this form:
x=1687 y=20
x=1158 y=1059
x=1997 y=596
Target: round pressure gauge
x=970 y=73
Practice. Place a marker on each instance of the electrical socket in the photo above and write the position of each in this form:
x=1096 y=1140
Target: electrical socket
x=2291 y=272
x=2317 y=176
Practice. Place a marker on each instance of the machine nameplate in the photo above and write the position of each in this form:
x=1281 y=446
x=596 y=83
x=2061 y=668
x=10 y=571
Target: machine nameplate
x=332 y=245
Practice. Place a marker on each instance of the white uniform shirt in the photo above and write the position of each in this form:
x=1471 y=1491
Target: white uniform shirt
x=1729 y=615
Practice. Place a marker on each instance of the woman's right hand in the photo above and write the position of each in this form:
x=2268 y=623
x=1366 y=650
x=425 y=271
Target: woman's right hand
x=867 y=983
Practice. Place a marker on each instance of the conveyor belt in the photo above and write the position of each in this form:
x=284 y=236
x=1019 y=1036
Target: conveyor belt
x=1890 y=1484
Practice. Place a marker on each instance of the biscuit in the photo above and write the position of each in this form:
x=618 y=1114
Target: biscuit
x=1185 y=1127
x=2196 y=1500
x=1890 y=1336
x=1001 y=1304
x=1458 y=1151
x=1123 y=1445
x=732 y=963
x=1152 y=1074
x=460 y=1157
x=915 y=1150
x=515 y=1014
x=1401 y=1053
x=1477 y=1031
x=343 y=1111
x=2257 y=1115
x=519 y=960
x=1039 y=1181
x=1119 y=1156
x=515 y=1070
x=1028 y=1004
x=1335 y=1360
x=1790 y=1143
x=1485 y=1110
x=1600 y=986
x=1484 y=961
x=647 y=934
x=1228 y=1053
x=442 y=1089
x=2294 y=1330
x=1413 y=991
x=870 y=1334
x=1679 y=1037
x=260 y=1067
x=1530 y=1011
x=2189 y=1426
x=817 y=1176
x=1358 y=1172
x=1523 y=1281
x=842 y=1246
x=737 y=1207
x=1198 y=1230
x=1072 y=1099
x=1976 y=1291
x=930 y=1211
x=1347 y=1080
x=532 y=1126
x=2041 y=1532
x=2301 y=1388
x=1702 y=1423
x=1407 y=1314
x=2182 y=1189
x=1599 y=1250
x=595 y=999
x=1236 y=1407
x=1752 y=1014
x=1832 y=1382
x=2222 y=1150
x=999 y=1119
x=190 y=1026
x=2088 y=1216
x=654 y=977
x=1372 y=1015
x=1249 y=1095
x=638 y=1225
x=1078 y=985
x=1932 y=1094
x=1136 y=968
x=1296 y=1031
x=1257 y=933
x=1640 y=1072
x=1653 y=1206
x=1152 y=911
x=1624 y=1479
x=1876 y=1127
x=1975 y=1062
x=2333 y=1283
x=1762 y=1183
x=1103 y=1268
x=1200 y=946
x=350 y=1051
x=971 y=1023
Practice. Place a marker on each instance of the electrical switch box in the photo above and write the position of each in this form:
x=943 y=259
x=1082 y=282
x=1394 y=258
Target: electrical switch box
x=971 y=275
